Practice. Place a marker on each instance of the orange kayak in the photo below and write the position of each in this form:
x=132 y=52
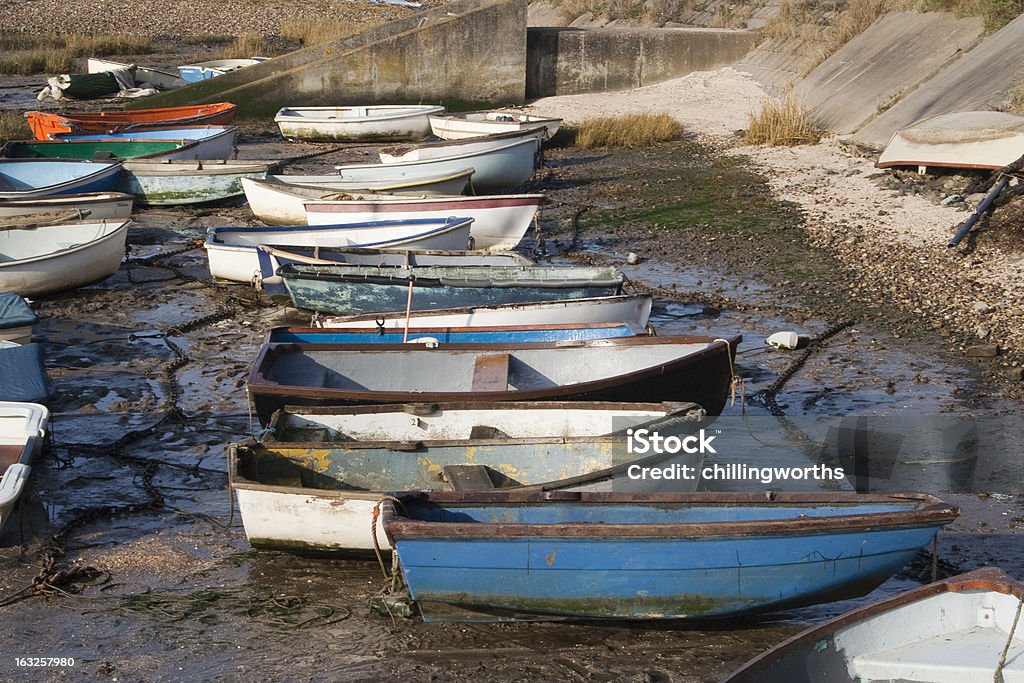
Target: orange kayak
x=46 y=124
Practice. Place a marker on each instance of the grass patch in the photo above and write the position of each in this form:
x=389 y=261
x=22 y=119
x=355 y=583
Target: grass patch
x=995 y=13
x=245 y=46
x=782 y=122
x=13 y=126
x=207 y=39
x=633 y=130
x=311 y=32
x=106 y=45
x=28 y=62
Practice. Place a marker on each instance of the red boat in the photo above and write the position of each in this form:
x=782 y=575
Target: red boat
x=44 y=125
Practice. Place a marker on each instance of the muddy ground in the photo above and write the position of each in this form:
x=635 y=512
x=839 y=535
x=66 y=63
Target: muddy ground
x=141 y=422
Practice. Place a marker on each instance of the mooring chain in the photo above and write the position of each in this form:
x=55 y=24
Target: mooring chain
x=767 y=396
x=155 y=261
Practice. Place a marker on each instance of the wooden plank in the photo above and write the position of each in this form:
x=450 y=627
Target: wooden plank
x=10 y=454
x=490 y=373
x=468 y=477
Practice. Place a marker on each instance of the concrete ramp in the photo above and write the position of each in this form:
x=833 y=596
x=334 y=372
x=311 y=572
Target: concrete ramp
x=874 y=69
x=979 y=79
x=468 y=52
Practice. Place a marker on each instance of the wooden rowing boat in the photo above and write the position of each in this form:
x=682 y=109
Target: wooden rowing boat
x=198 y=142
x=339 y=288
x=312 y=483
x=690 y=369
x=159 y=182
x=410 y=183
x=507 y=555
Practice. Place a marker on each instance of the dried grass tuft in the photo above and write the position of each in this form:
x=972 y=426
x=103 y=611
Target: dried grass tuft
x=633 y=130
x=314 y=32
x=782 y=122
x=13 y=126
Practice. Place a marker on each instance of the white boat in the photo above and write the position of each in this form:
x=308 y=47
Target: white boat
x=633 y=309
x=200 y=71
x=500 y=221
x=22 y=432
x=445 y=149
x=963 y=629
x=234 y=252
x=441 y=184
x=314 y=487
x=967 y=139
x=380 y=122
x=163 y=80
x=509 y=165
x=90 y=205
x=47 y=259
x=472 y=124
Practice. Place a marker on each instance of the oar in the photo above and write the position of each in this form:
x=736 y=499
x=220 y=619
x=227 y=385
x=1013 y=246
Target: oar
x=1002 y=180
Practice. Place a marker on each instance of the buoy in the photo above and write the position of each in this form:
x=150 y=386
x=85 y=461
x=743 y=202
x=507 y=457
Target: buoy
x=632 y=258
x=787 y=340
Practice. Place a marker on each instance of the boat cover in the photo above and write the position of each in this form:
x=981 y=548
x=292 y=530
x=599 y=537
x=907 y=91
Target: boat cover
x=15 y=311
x=22 y=375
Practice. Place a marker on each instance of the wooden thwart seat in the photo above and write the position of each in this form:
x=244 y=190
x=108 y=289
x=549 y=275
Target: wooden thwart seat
x=490 y=372
x=9 y=455
x=468 y=477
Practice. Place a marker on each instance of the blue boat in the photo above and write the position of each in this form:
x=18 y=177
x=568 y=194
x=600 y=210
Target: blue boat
x=364 y=289
x=24 y=374
x=27 y=178
x=452 y=335
x=203 y=142
x=501 y=556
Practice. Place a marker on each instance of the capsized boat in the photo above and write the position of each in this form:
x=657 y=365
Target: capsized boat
x=507 y=555
x=22 y=433
x=966 y=139
x=312 y=483
x=45 y=124
x=24 y=373
x=339 y=288
x=634 y=309
x=253 y=254
x=957 y=630
x=690 y=369
x=54 y=258
x=376 y=122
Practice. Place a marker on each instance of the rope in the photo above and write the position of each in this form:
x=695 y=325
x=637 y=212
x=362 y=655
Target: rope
x=373 y=533
x=998 y=676
x=734 y=379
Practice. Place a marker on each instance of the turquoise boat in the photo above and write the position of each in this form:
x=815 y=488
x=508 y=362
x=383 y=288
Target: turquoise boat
x=29 y=178
x=503 y=556
x=91 y=149
x=339 y=289
x=163 y=182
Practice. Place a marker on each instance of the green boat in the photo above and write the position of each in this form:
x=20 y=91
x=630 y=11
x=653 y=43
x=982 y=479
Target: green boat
x=97 y=149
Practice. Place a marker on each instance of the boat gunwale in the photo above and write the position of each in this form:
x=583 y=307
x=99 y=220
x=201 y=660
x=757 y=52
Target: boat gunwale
x=445 y=329
x=107 y=167
x=401 y=150
x=929 y=511
x=986 y=578
x=468 y=310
